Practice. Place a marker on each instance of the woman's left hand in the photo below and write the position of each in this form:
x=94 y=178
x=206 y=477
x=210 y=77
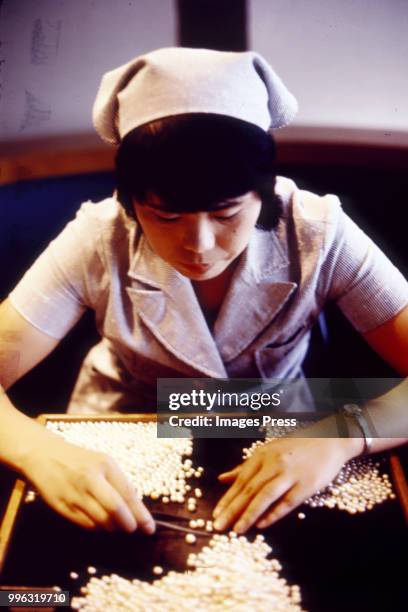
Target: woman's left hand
x=279 y=476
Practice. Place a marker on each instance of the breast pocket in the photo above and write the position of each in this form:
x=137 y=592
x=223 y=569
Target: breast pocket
x=271 y=357
x=286 y=341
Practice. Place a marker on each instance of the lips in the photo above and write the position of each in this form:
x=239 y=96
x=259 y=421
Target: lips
x=199 y=267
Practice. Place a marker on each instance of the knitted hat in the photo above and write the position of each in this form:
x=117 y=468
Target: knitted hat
x=178 y=80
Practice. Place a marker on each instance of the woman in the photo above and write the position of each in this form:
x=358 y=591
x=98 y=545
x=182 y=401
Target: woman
x=201 y=264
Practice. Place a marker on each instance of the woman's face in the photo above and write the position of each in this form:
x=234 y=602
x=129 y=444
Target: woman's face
x=200 y=245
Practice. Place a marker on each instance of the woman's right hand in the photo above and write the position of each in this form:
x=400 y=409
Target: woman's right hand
x=85 y=486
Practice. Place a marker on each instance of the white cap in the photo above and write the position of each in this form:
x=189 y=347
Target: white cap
x=178 y=80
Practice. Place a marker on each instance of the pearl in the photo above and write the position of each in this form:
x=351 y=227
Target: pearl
x=190 y=538
x=358 y=487
x=30 y=497
x=73 y=575
x=213 y=581
x=157 y=570
x=156 y=467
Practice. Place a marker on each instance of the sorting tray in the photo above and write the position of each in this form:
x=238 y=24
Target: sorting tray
x=341 y=562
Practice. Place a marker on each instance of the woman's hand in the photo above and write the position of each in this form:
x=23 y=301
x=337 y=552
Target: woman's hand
x=279 y=476
x=84 y=486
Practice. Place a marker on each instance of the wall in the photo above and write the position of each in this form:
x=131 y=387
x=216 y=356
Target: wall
x=55 y=51
x=347 y=61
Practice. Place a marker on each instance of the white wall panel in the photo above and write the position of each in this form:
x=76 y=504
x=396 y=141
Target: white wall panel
x=53 y=53
x=346 y=60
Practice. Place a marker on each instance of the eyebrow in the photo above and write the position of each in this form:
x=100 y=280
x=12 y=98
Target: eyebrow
x=229 y=204
x=159 y=207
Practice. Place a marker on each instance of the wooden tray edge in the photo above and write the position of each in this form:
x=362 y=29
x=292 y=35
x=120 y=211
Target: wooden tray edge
x=400 y=483
x=9 y=519
x=131 y=417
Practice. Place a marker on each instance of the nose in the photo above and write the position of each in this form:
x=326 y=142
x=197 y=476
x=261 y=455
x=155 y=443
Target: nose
x=199 y=236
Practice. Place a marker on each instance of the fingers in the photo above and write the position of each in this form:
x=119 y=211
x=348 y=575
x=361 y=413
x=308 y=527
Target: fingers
x=88 y=511
x=83 y=520
x=252 y=501
x=231 y=475
x=249 y=513
x=285 y=505
x=130 y=511
x=88 y=488
x=106 y=507
x=246 y=473
x=75 y=515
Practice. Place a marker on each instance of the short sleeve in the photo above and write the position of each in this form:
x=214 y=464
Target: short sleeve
x=59 y=286
x=368 y=288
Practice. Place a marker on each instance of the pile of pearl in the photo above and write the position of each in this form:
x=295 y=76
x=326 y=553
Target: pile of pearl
x=358 y=487
x=230 y=573
x=156 y=467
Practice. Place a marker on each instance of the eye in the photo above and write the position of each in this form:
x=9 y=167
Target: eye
x=166 y=218
x=228 y=217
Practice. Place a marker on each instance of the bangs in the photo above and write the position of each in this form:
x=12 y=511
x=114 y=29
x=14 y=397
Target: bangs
x=194 y=162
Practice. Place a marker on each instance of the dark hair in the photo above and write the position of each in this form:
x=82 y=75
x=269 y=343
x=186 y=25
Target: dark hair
x=193 y=162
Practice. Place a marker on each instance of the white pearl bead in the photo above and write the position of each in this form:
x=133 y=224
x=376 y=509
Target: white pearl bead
x=358 y=487
x=155 y=466
x=214 y=580
x=190 y=538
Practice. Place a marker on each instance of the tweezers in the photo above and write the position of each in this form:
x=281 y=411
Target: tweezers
x=171 y=525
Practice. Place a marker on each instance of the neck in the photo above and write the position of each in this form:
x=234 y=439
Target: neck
x=211 y=293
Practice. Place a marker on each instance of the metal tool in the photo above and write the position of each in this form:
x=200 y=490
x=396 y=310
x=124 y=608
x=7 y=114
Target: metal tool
x=172 y=525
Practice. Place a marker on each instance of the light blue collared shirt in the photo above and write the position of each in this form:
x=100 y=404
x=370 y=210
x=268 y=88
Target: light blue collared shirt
x=151 y=323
